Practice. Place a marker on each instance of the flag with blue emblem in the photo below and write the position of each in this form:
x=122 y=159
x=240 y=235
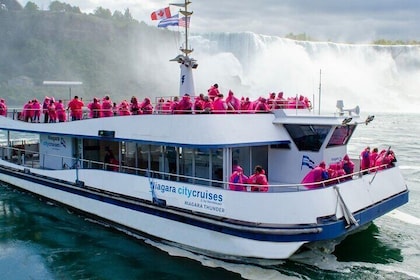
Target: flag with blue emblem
x=172 y=21
x=306 y=161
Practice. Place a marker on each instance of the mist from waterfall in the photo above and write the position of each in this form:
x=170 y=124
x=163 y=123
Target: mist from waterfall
x=377 y=78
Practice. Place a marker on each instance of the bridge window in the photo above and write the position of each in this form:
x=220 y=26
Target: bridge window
x=308 y=137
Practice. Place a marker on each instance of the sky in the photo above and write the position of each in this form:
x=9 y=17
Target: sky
x=344 y=21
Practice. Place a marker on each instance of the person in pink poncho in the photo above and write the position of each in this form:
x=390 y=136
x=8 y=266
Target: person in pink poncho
x=95 y=108
x=60 y=111
x=213 y=92
x=238 y=179
x=36 y=108
x=318 y=174
x=107 y=107
x=185 y=105
x=3 y=108
x=233 y=103
x=348 y=166
x=219 y=105
x=258 y=180
x=146 y=106
x=76 y=108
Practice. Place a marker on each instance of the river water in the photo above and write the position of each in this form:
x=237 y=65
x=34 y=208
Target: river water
x=39 y=240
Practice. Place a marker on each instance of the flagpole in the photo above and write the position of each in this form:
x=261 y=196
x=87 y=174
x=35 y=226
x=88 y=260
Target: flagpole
x=187 y=64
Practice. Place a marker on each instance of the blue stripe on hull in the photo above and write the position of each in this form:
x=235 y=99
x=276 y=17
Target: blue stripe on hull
x=330 y=229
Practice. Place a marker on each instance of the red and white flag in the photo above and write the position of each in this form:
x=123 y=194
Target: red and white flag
x=184 y=21
x=161 y=14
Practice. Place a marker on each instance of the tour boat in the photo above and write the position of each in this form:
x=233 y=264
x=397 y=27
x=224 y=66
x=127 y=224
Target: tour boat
x=170 y=180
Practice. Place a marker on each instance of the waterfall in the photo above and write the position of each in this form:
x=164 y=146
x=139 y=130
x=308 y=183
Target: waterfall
x=377 y=78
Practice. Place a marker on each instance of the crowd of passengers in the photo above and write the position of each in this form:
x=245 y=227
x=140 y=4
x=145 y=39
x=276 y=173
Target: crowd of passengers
x=214 y=102
x=343 y=170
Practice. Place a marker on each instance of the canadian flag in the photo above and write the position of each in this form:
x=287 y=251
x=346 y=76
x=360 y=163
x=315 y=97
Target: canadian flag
x=161 y=14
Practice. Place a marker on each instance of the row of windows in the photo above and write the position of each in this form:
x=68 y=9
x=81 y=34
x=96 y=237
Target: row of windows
x=177 y=163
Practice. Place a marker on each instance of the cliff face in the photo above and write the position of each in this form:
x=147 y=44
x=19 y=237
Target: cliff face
x=106 y=55
x=10 y=5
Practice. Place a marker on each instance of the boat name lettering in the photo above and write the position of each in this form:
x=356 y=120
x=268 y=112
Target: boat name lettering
x=200 y=194
x=193 y=204
x=185 y=191
x=162 y=188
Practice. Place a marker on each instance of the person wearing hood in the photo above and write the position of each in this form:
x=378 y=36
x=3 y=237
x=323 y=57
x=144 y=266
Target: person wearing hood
x=238 y=179
x=348 y=166
x=146 y=106
x=318 y=174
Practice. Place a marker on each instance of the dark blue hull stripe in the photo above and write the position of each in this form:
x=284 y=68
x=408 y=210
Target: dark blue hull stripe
x=330 y=229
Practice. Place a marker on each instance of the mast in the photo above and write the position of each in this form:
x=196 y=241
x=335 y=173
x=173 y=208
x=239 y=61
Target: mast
x=187 y=63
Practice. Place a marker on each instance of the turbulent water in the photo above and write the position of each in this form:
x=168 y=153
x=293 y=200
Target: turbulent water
x=41 y=241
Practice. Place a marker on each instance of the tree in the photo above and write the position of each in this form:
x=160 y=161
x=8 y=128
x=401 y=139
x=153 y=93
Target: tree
x=31 y=7
x=103 y=13
x=57 y=6
x=127 y=15
x=118 y=16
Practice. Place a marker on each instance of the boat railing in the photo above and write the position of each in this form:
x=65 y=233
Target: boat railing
x=30 y=157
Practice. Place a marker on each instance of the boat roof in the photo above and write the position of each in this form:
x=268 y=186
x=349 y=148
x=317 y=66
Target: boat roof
x=201 y=130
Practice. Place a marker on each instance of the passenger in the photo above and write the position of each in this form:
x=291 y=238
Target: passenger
x=318 y=174
x=385 y=159
x=3 y=108
x=115 y=109
x=124 y=108
x=373 y=157
x=245 y=105
x=95 y=108
x=146 y=107
x=213 y=92
x=271 y=101
x=45 y=105
x=76 y=108
x=238 y=179
x=160 y=106
x=52 y=113
x=219 y=105
x=258 y=180
x=365 y=160
x=281 y=102
x=232 y=102
x=61 y=112
x=107 y=107
x=185 y=105
x=36 y=108
x=167 y=107
x=207 y=105
x=348 y=167
x=175 y=105
x=134 y=106
x=27 y=111
x=261 y=106
x=111 y=162
x=199 y=104
x=301 y=102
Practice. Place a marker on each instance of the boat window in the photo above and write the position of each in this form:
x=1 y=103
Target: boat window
x=128 y=151
x=259 y=156
x=308 y=137
x=241 y=157
x=155 y=155
x=171 y=160
x=186 y=164
x=217 y=165
x=143 y=158
x=341 y=135
x=202 y=165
